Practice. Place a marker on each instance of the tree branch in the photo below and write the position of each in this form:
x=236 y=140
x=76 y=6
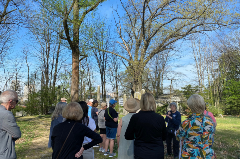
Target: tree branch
x=113 y=54
x=4 y=13
x=89 y=10
x=65 y=25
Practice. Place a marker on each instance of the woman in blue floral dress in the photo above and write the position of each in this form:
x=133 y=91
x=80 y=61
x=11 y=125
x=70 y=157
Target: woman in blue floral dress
x=196 y=132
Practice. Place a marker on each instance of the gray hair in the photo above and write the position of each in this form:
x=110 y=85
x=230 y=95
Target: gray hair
x=58 y=110
x=196 y=103
x=174 y=104
x=8 y=95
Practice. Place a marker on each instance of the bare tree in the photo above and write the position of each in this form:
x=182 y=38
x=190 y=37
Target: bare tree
x=200 y=58
x=151 y=27
x=101 y=40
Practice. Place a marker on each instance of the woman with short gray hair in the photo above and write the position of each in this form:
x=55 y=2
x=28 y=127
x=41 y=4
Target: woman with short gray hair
x=196 y=132
x=173 y=119
x=56 y=119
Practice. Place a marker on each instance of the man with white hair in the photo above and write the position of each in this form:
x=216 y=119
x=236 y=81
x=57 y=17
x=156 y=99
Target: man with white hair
x=9 y=130
x=89 y=103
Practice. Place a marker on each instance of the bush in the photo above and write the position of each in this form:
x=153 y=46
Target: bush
x=18 y=109
x=117 y=106
x=185 y=109
x=162 y=110
x=216 y=111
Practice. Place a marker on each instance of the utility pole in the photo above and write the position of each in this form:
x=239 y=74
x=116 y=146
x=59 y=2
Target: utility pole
x=171 y=89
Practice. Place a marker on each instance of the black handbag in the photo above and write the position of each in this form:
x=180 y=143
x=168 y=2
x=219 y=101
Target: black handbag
x=170 y=130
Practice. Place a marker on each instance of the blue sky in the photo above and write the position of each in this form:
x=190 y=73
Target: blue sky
x=183 y=65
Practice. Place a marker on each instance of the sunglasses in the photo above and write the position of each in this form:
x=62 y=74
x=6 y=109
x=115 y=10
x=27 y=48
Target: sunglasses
x=15 y=101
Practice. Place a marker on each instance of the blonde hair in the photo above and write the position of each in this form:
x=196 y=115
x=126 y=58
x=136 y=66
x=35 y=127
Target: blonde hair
x=147 y=102
x=73 y=111
x=196 y=103
x=103 y=104
x=58 y=110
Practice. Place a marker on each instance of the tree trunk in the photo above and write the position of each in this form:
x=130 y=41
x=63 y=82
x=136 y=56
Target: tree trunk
x=75 y=76
x=56 y=66
x=137 y=79
x=75 y=54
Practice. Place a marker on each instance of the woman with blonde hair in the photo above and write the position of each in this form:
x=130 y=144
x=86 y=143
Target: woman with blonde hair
x=196 y=132
x=148 y=130
x=101 y=124
x=56 y=118
x=67 y=137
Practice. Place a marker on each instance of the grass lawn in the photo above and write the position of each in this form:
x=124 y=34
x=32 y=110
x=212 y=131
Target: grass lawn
x=227 y=138
x=35 y=132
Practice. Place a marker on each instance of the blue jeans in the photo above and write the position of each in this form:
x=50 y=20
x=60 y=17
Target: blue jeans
x=111 y=132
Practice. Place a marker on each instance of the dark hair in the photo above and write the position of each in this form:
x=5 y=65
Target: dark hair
x=85 y=118
x=94 y=102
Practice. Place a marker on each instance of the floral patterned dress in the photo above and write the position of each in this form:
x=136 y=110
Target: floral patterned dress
x=196 y=133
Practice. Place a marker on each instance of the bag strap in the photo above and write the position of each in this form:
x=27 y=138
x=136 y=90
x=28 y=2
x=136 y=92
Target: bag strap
x=66 y=140
x=100 y=111
x=109 y=114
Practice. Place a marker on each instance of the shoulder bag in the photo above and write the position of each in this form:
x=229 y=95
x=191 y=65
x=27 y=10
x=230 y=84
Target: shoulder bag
x=65 y=140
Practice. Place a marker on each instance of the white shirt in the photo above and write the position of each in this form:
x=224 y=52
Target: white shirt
x=92 y=126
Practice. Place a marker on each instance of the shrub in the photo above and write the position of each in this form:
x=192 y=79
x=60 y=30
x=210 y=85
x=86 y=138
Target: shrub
x=185 y=109
x=18 y=109
x=117 y=106
x=216 y=111
x=162 y=110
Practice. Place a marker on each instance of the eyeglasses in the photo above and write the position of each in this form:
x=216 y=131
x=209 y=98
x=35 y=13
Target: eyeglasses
x=15 y=101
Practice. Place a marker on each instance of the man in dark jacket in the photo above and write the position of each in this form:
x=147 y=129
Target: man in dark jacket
x=9 y=130
x=173 y=119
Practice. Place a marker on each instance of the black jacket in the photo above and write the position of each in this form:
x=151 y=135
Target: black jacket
x=175 y=121
x=74 y=142
x=149 y=131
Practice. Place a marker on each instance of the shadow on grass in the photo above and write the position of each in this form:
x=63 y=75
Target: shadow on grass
x=44 y=116
x=20 y=119
x=37 y=151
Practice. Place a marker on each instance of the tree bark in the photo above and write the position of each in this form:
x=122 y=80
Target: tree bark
x=75 y=54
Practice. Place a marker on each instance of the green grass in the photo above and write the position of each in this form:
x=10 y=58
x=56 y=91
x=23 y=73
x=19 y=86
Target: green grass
x=35 y=131
x=227 y=138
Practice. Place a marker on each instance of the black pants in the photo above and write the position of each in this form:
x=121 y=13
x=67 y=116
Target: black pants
x=96 y=122
x=171 y=137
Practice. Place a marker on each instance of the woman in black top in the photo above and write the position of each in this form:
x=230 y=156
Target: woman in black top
x=70 y=147
x=148 y=129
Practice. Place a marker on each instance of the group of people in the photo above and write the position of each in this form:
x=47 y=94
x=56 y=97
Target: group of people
x=141 y=135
